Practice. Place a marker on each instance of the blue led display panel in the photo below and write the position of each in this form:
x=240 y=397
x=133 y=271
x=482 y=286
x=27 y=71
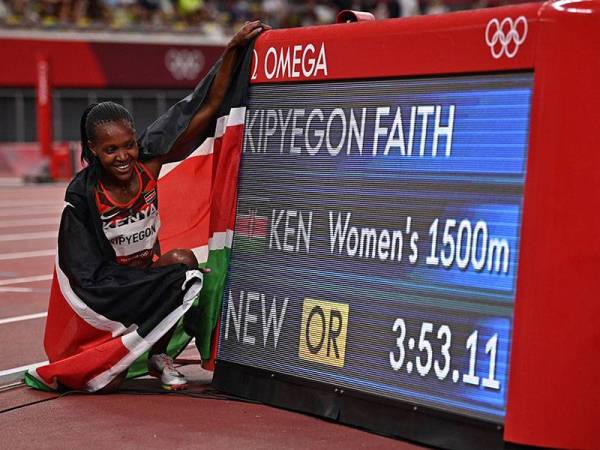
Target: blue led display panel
x=377 y=236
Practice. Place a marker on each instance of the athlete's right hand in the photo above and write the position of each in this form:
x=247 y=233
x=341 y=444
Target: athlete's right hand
x=248 y=31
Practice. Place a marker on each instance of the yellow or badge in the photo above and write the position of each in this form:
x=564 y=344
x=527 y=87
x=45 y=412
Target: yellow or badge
x=323 y=332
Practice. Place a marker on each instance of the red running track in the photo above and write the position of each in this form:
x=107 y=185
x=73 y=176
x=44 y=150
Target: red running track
x=29 y=419
x=29 y=217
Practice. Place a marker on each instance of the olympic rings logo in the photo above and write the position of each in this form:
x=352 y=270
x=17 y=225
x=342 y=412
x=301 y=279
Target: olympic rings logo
x=505 y=38
x=184 y=64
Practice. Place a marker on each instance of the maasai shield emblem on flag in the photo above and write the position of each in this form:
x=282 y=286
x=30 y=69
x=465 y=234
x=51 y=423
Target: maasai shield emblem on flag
x=103 y=318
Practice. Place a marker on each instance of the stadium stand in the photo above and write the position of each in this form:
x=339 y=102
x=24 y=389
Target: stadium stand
x=209 y=17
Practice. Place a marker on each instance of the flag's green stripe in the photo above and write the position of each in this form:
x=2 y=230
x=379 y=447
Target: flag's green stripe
x=202 y=317
x=34 y=383
x=250 y=244
x=201 y=320
x=176 y=345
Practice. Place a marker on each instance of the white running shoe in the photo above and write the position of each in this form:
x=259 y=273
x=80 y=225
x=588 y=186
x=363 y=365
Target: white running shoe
x=161 y=366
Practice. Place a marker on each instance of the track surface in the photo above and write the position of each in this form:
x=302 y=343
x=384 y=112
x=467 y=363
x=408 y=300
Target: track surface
x=29 y=217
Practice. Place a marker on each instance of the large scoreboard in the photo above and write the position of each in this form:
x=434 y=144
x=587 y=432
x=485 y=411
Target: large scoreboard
x=389 y=211
x=399 y=260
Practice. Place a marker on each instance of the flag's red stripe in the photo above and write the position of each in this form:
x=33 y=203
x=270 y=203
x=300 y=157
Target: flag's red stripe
x=66 y=333
x=184 y=198
x=227 y=152
x=76 y=350
x=260 y=228
x=185 y=194
x=74 y=372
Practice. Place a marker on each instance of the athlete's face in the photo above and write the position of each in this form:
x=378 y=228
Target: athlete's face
x=116 y=149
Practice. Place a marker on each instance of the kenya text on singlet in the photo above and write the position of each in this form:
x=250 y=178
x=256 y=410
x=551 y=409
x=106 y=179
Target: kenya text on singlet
x=131 y=228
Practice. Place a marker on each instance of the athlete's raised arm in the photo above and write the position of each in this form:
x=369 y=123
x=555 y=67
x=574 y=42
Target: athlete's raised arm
x=204 y=117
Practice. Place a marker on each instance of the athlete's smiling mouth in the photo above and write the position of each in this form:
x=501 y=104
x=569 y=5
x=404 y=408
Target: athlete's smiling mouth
x=123 y=167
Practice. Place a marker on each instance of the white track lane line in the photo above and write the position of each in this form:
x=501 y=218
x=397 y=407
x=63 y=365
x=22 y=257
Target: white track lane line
x=26 y=215
x=29 y=222
x=31 y=279
x=23 y=318
x=11 y=182
x=48 y=209
x=15 y=289
x=22 y=369
x=20 y=203
x=28 y=236
x=21 y=255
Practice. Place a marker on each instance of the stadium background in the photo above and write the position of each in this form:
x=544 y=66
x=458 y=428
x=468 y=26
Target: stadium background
x=173 y=21
x=195 y=29
x=204 y=25
x=211 y=17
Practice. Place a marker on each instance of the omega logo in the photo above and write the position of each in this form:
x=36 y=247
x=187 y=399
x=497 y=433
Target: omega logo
x=293 y=61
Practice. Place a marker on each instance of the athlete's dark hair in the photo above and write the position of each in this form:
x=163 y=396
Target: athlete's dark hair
x=97 y=114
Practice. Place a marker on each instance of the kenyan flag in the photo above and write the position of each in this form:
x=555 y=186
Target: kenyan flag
x=103 y=318
x=197 y=199
x=251 y=231
x=198 y=196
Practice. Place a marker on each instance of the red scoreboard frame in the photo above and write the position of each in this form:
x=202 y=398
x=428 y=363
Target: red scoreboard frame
x=553 y=392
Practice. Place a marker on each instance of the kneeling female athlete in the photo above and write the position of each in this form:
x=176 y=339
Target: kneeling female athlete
x=135 y=294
